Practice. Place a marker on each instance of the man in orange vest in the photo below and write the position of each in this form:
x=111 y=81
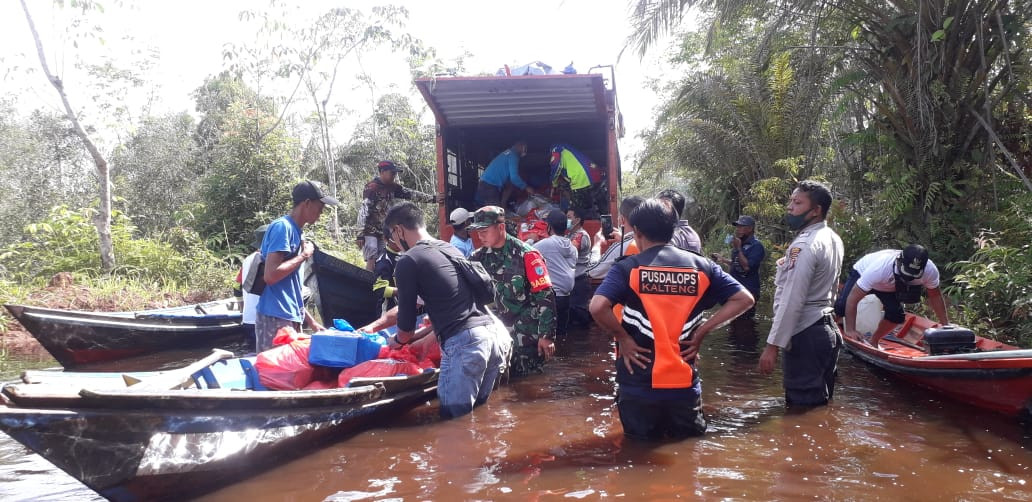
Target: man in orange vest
x=664 y=291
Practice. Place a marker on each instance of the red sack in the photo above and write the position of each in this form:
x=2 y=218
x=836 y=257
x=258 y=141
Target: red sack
x=285 y=367
x=378 y=368
x=287 y=334
x=425 y=355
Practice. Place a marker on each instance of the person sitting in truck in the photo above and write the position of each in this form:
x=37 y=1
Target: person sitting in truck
x=572 y=170
x=895 y=277
x=503 y=171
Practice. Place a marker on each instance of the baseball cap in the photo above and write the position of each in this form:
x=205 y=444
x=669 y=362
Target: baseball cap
x=311 y=190
x=911 y=261
x=386 y=165
x=557 y=220
x=459 y=216
x=745 y=221
x=259 y=236
x=487 y=216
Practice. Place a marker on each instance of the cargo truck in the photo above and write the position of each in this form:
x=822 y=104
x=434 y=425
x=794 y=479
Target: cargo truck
x=479 y=117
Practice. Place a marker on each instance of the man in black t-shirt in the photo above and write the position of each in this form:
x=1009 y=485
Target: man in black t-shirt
x=472 y=348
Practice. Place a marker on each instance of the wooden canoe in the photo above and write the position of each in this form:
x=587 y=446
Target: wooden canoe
x=993 y=375
x=76 y=338
x=152 y=445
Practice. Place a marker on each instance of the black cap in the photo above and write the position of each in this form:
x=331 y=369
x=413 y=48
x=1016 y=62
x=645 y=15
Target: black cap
x=911 y=261
x=745 y=221
x=311 y=190
x=557 y=220
x=386 y=165
x=259 y=236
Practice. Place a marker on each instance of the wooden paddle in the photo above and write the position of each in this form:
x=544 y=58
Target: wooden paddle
x=178 y=378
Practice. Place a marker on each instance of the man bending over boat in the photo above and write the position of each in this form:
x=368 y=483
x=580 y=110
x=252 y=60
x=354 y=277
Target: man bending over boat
x=472 y=348
x=281 y=303
x=895 y=277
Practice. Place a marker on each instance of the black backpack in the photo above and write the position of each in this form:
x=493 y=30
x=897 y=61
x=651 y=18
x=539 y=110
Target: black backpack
x=480 y=283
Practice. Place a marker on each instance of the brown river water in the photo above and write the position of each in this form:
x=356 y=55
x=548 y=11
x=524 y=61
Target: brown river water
x=557 y=436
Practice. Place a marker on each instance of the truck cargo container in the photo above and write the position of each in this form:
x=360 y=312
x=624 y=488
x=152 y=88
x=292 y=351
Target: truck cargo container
x=479 y=117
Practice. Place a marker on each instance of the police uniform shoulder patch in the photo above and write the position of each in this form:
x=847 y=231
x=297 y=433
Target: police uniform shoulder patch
x=793 y=254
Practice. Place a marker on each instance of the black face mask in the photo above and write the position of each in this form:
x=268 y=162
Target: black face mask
x=401 y=241
x=907 y=293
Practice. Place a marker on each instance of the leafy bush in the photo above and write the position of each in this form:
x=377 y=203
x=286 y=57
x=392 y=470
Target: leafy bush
x=994 y=286
x=67 y=242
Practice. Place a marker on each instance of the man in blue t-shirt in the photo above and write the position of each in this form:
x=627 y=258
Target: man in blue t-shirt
x=664 y=291
x=281 y=303
x=459 y=220
x=503 y=170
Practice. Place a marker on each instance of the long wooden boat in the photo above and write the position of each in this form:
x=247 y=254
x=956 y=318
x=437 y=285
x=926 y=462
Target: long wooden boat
x=77 y=338
x=143 y=443
x=977 y=371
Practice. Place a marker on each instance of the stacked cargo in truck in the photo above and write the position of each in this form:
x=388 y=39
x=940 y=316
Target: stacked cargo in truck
x=479 y=117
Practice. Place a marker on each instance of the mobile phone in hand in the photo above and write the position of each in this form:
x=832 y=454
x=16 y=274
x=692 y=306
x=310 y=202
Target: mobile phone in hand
x=607 y=225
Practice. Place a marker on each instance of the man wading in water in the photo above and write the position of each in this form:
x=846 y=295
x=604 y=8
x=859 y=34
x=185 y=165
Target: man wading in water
x=664 y=291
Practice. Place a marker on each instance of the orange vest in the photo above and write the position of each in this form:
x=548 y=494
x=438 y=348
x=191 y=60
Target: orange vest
x=658 y=315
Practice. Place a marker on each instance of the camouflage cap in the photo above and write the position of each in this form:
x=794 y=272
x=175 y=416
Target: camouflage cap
x=487 y=216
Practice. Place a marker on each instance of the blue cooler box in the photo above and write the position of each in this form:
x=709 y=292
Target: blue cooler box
x=341 y=349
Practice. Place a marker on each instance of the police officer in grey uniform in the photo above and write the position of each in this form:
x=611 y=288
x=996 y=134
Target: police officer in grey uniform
x=806 y=281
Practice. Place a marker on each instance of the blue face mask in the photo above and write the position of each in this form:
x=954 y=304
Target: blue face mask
x=569 y=223
x=796 y=221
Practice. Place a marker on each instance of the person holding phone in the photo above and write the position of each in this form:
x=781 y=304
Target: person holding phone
x=747 y=254
x=601 y=263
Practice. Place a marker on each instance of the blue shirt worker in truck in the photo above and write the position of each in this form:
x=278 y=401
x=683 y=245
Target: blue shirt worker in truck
x=503 y=172
x=571 y=169
x=378 y=196
x=524 y=299
x=895 y=277
x=281 y=303
x=665 y=291
x=806 y=281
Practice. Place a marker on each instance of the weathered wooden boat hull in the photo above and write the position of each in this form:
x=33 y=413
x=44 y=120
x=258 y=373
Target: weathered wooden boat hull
x=158 y=453
x=76 y=338
x=998 y=379
x=344 y=291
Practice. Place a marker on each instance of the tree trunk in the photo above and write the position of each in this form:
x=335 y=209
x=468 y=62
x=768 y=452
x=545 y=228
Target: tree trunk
x=103 y=218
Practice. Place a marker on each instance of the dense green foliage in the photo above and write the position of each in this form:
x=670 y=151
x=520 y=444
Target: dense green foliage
x=66 y=241
x=918 y=113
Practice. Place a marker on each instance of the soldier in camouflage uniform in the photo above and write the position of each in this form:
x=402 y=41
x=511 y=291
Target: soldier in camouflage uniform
x=379 y=195
x=523 y=291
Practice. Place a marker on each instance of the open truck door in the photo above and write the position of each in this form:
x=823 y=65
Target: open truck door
x=479 y=117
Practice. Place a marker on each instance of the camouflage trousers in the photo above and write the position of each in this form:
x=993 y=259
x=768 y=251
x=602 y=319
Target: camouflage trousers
x=525 y=358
